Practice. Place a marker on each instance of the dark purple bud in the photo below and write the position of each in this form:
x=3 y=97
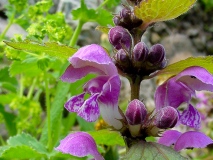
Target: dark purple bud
x=125 y=13
x=156 y=54
x=136 y=112
x=140 y=52
x=166 y=117
x=122 y=56
x=116 y=20
x=119 y=36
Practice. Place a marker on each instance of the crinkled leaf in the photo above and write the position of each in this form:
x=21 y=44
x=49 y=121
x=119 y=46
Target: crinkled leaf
x=107 y=137
x=161 y=10
x=175 y=68
x=50 y=48
x=149 y=150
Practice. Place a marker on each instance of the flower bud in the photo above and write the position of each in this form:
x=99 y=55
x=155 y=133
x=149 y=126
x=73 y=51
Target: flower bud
x=119 y=36
x=166 y=117
x=140 y=52
x=156 y=54
x=116 y=20
x=125 y=13
x=136 y=112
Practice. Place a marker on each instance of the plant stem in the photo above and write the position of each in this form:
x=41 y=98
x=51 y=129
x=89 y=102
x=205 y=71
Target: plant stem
x=47 y=99
x=102 y=4
x=21 y=87
x=29 y=95
x=135 y=87
x=8 y=26
x=76 y=33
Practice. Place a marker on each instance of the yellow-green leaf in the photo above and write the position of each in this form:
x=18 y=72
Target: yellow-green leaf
x=151 y=11
x=175 y=68
x=50 y=48
x=103 y=29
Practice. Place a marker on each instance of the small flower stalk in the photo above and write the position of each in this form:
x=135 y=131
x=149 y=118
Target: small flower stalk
x=135 y=60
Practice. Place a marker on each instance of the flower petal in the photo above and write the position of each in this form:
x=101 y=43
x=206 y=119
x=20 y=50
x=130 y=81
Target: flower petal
x=172 y=93
x=191 y=117
x=90 y=110
x=74 y=103
x=95 y=85
x=72 y=74
x=108 y=102
x=192 y=139
x=95 y=56
x=79 y=144
x=197 y=78
x=169 y=137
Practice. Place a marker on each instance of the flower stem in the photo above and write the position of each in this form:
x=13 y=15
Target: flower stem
x=76 y=33
x=8 y=26
x=135 y=87
x=47 y=99
x=102 y=4
x=29 y=95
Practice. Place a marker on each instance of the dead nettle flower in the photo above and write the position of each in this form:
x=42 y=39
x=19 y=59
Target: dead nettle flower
x=190 y=139
x=104 y=89
x=180 y=89
x=79 y=144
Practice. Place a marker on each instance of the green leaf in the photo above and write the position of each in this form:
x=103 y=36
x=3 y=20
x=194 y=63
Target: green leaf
x=23 y=146
x=20 y=152
x=149 y=150
x=83 y=13
x=107 y=137
x=151 y=11
x=175 y=68
x=50 y=48
x=29 y=69
x=104 y=17
x=7 y=82
x=27 y=140
x=9 y=119
x=84 y=125
x=56 y=113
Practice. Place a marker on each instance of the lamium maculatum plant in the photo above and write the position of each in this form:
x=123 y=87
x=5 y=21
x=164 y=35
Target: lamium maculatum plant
x=137 y=61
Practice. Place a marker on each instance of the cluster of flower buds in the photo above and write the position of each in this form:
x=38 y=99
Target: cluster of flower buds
x=141 y=123
x=137 y=60
x=127 y=19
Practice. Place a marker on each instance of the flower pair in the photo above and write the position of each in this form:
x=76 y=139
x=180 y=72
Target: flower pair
x=180 y=89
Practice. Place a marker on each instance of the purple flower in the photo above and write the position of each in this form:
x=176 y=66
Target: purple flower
x=180 y=89
x=104 y=89
x=79 y=144
x=190 y=139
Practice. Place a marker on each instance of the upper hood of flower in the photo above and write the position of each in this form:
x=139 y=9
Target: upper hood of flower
x=89 y=59
x=181 y=88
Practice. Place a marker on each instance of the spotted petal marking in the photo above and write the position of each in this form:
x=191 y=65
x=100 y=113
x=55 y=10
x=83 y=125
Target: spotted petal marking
x=190 y=117
x=74 y=103
x=90 y=110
